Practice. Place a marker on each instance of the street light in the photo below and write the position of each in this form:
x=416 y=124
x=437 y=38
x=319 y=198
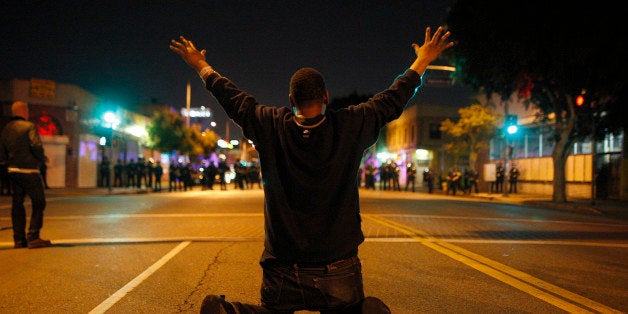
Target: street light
x=511 y=124
x=112 y=122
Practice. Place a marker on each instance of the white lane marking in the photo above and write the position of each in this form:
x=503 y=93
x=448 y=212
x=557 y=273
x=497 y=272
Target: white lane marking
x=89 y=241
x=114 y=298
x=193 y=215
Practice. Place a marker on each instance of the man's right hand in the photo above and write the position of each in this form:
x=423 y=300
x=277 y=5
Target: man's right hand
x=430 y=50
x=186 y=49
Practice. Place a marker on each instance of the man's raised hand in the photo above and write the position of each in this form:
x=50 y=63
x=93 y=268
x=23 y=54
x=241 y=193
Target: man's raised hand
x=186 y=49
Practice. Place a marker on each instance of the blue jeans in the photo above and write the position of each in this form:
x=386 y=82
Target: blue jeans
x=30 y=184
x=333 y=288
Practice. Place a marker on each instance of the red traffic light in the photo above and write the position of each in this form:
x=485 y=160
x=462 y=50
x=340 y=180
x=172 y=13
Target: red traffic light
x=579 y=100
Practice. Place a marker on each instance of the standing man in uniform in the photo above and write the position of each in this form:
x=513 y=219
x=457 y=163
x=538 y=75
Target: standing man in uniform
x=104 y=172
x=499 y=181
x=117 y=173
x=410 y=175
x=370 y=172
x=23 y=152
x=513 y=178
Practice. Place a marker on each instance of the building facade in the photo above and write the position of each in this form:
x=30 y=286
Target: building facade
x=593 y=169
x=589 y=172
x=415 y=137
x=70 y=122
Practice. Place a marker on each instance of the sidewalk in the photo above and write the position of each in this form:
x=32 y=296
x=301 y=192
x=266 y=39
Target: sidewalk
x=608 y=208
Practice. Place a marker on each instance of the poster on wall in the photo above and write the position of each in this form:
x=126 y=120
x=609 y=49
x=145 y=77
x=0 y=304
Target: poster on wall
x=43 y=88
x=490 y=172
x=48 y=125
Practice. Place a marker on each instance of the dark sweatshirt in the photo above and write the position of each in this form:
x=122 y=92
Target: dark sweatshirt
x=20 y=145
x=309 y=169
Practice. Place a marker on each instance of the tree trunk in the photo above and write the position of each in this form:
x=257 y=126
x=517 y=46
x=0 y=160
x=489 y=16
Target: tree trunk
x=560 y=188
x=473 y=158
x=563 y=129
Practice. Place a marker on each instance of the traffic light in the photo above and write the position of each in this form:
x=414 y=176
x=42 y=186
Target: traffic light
x=579 y=100
x=511 y=124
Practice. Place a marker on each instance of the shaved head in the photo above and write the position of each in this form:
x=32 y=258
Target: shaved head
x=307 y=84
x=19 y=109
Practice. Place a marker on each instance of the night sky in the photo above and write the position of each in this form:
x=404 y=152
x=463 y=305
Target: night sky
x=118 y=50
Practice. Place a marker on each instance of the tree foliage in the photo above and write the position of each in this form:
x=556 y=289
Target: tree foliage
x=546 y=54
x=168 y=132
x=472 y=132
x=203 y=142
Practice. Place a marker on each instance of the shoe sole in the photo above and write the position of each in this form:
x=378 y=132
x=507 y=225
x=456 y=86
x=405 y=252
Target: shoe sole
x=40 y=244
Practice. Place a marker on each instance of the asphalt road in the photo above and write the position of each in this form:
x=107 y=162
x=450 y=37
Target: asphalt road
x=163 y=252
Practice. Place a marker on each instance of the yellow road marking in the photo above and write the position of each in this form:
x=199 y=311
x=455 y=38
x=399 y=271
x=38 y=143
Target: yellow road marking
x=515 y=278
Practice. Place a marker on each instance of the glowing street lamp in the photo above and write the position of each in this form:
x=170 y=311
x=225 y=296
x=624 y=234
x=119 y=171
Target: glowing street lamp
x=511 y=124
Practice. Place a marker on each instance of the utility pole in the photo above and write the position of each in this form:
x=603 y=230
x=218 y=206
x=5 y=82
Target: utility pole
x=188 y=98
x=593 y=159
x=506 y=177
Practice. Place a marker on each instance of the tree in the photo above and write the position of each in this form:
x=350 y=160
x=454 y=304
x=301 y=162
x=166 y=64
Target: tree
x=203 y=143
x=167 y=132
x=472 y=132
x=545 y=54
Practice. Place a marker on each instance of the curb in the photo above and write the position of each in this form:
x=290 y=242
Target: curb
x=566 y=207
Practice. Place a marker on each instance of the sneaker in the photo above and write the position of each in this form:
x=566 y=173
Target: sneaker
x=38 y=243
x=216 y=304
x=19 y=245
x=373 y=305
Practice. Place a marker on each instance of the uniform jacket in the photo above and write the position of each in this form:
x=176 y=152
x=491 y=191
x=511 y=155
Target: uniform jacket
x=20 y=145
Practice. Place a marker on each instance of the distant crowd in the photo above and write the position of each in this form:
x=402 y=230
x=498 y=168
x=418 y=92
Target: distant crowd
x=453 y=182
x=143 y=173
x=181 y=176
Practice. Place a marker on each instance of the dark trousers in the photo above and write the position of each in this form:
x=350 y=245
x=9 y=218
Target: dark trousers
x=30 y=184
x=130 y=181
x=104 y=179
x=410 y=182
x=140 y=177
x=117 y=180
x=332 y=288
x=453 y=187
x=369 y=182
x=513 y=186
x=157 y=186
x=430 y=186
x=473 y=185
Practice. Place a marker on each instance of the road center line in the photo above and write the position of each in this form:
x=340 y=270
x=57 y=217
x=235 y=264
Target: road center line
x=114 y=298
x=515 y=278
